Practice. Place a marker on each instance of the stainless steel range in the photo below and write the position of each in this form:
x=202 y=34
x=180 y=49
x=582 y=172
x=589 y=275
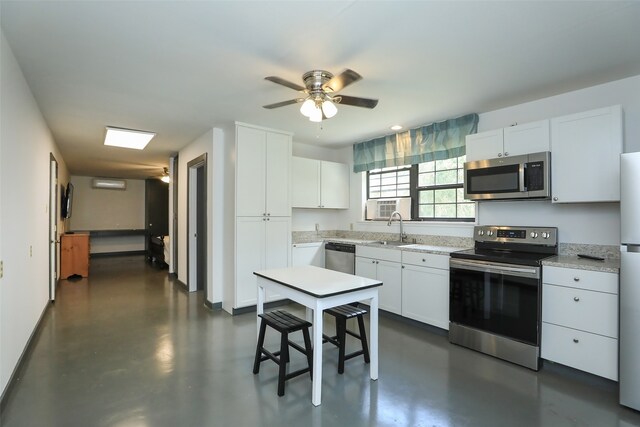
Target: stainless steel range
x=495 y=292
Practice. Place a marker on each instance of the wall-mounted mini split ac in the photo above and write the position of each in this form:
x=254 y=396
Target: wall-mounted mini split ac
x=109 y=184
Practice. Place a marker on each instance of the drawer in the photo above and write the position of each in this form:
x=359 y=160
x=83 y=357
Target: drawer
x=393 y=255
x=588 y=311
x=426 y=259
x=581 y=350
x=583 y=279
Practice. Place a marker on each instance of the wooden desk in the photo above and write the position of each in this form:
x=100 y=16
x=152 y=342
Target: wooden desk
x=74 y=256
x=318 y=289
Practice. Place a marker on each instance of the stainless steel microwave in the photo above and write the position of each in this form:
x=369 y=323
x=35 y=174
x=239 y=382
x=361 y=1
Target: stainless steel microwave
x=517 y=177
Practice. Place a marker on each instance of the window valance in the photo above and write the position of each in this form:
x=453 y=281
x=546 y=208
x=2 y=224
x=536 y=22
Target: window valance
x=437 y=141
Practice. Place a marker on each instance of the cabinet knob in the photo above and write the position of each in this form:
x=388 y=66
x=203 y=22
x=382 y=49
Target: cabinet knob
x=424 y=260
x=268 y=219
x=403 y=266
x=499 y=154
x=373 y=261
x=555 y=199
x=576 y=340
x=377 y=262
x=269 y=214
x=264 y=214
x=506 y=153
x=576 y=279
x=576 y=299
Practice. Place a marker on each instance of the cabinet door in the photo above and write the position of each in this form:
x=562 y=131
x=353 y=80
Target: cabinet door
x=277 y=246
x=585 y=156
x=250 y=171
x=485 y=145
x=390 y=274
x=250 y=257
x=278 y=174
x=425 y=295
x=305 y=185
x=527 y=138
x=334 y=184
x=308 y=254
x=366 y=267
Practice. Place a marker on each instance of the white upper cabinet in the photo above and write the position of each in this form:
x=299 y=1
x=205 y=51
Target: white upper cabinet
x=263 y=171
x=527 y=138
x=484 y=145
x=320 y=184
x=512 y=141
x=585 y=156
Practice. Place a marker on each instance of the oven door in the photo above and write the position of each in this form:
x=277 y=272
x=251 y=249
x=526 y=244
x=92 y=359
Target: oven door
x=501 y=299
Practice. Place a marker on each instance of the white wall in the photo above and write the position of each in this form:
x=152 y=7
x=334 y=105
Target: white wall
x=104 y=209
x=217 y=143
x=25 y=147
x=596 y=223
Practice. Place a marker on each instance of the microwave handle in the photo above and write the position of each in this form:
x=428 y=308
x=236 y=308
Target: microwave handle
x=522 y=174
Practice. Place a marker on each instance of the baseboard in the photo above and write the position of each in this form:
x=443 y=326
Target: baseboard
x=6 y=393
x=124 y=253
x=173 y=276
x=267 y=306
x=182 y=285
x=212 y=305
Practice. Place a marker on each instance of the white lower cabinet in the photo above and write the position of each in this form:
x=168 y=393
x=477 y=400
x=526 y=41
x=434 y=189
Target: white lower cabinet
x=261 y=243
x=307 y=254
x=425 y=295
x=580 y=319
x=383 y=265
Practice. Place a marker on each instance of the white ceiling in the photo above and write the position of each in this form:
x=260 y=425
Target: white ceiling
x=179 y=68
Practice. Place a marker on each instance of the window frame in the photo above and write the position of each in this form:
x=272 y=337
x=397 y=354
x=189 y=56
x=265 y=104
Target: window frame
x=414 y=193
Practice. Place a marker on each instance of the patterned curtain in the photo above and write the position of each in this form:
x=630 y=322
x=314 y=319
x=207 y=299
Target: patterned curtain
x=437 y=141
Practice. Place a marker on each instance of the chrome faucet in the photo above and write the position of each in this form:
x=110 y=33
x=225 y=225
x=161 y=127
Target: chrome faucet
x=402 y=235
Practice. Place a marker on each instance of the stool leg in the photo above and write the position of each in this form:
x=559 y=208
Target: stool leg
x=309 y=350
x=363 y=339
x=284 y=358
x=256 y=362
x=341 y=332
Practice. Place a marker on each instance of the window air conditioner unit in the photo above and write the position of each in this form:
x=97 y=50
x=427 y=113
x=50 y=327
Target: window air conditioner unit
x=381 y=209
x=110 y=184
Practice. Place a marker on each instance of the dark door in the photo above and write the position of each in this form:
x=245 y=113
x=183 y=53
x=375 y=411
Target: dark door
x=157 y=207
x=201 y=206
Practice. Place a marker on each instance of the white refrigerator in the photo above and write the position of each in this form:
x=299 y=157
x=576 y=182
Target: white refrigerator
x=630 y=280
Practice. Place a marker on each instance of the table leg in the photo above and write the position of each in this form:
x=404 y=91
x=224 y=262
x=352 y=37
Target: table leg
x=260 y=304
x=316 y=395
x=373 y=318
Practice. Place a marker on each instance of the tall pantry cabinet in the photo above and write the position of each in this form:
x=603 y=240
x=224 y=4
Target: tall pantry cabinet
x=263 y=207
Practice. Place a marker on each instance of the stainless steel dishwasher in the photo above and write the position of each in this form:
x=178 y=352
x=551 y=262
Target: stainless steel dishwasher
x=340 y=257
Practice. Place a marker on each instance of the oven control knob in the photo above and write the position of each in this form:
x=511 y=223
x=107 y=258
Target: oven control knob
x=545 y=235
x=490 y=233
x=480 y=232
x=533 y=234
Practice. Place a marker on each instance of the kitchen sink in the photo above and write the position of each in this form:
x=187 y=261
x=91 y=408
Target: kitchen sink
x=394 y=243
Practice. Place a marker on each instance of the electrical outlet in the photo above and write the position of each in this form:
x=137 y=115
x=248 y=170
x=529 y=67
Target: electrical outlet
x=1 y=269
x=351 y=226
x=317 y=227
x=30 y=251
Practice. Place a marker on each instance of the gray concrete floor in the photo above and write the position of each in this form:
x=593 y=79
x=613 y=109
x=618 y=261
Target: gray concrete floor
x=127 y=347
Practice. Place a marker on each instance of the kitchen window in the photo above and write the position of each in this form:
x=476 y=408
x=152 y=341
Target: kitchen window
x=435 y=187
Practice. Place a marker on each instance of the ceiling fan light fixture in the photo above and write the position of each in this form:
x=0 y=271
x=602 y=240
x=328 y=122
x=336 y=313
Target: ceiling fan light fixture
x=165 y=176
x=329 y=109
x=316 y=115
x=307 y=107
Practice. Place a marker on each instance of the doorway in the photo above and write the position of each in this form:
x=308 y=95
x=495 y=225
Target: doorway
x=197 y=224
x=53 y=226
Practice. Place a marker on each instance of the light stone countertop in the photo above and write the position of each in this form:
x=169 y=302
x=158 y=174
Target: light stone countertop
x=609 y=265
x=410 y=247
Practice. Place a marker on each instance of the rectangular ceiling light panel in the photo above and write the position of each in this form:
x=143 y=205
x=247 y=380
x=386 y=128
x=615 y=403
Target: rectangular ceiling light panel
x=127 y=138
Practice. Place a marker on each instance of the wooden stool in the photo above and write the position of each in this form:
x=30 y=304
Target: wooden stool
x=342 y=313
x=285 y=323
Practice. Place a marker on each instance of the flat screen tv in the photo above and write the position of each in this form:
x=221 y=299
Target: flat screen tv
x=67 y=201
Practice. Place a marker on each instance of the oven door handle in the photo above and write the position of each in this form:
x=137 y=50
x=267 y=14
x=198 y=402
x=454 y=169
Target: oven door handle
x=489 y=267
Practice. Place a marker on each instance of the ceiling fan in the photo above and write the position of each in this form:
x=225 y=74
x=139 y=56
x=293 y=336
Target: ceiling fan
x=320 y=88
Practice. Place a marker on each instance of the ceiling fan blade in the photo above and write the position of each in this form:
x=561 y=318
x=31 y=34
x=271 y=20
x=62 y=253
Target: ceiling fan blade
x=283 y=103
x=286 y=83
x=341 y=81
x=356 y=101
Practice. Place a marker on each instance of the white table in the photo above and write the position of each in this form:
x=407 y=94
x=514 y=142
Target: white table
x=318 y=289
